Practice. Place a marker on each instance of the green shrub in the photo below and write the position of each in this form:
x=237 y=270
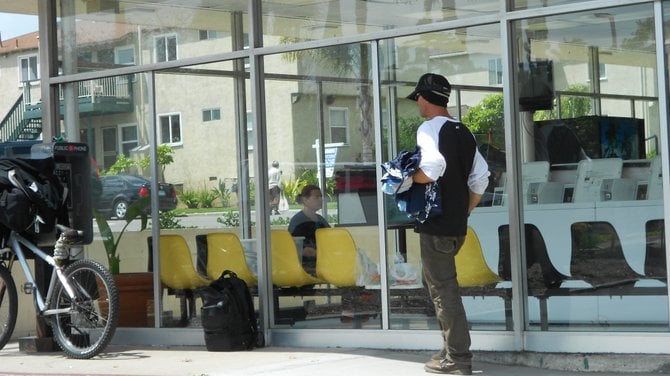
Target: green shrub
x=280 y=221
x=230 y=219
x=122 y=165
x=407 y=128
x=310 y=176
x=330 y=188
x=205 y=198
x=189 y=198
x=252 y=190
x=223 y=193
x=168 y=220
x=292 y=189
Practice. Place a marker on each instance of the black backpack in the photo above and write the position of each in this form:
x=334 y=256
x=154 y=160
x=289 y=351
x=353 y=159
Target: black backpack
x=228 y=315
x=31 y=195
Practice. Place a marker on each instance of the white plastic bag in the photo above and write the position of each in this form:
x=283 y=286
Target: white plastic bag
x=283 y=203
x=367 y=271
x=404 y=273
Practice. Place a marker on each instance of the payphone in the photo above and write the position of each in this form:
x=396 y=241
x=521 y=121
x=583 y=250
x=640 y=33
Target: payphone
x=73 y=168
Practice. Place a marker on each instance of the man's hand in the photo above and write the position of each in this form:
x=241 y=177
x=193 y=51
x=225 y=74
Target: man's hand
x=474 y=201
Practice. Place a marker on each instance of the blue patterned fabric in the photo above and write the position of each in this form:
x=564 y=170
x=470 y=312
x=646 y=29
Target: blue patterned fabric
x=419 y=201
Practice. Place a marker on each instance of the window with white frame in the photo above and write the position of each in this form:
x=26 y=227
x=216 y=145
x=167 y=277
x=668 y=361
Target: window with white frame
x=211 y=114
x=129 y=139
x=118 y=140
x=602 y=71
x=495 y=71
x=170 y=128
x=124 y=55
x=29 y=68
x=165 y=48
x=338 y=124
x=207 y=34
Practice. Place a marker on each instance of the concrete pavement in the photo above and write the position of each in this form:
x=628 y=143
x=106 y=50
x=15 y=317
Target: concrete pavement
x=273 y=361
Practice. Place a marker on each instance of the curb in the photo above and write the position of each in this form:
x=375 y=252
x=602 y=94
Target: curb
x=623 y=363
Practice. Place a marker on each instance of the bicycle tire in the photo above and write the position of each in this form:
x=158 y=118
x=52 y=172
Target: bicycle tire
x=9 y=305
x=89 y=324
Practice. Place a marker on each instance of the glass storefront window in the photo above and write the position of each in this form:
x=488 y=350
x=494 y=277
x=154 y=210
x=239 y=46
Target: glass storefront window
x=109 y=115
x=589 y=130
x=112 y=117
x=199 y=133
x=320 y=131
x=529 y=4
x=285 y=22
x=592 y=196
x=106 y=34
x=470 y=59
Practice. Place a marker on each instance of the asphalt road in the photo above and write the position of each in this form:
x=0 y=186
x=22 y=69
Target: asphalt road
x=203 y=220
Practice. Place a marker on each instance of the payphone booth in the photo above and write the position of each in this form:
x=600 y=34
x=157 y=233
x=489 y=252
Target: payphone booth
x=73 y=167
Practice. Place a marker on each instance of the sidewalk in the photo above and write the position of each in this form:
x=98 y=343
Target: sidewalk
x=274 y=361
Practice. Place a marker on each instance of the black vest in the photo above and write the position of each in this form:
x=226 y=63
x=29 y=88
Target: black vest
x=458 y=146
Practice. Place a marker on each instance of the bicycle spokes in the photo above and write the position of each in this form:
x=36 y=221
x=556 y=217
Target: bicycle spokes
x=85 y=324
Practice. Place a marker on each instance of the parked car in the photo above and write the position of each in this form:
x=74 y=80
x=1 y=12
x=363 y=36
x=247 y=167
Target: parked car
x=119 y=191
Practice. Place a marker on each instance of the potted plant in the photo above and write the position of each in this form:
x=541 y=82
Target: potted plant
x=136 y=209
x=135 y=289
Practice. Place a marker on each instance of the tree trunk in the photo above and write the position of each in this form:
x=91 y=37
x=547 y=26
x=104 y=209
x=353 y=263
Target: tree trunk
x=365 y=105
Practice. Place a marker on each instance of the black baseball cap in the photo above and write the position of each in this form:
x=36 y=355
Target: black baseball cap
x=432 y=87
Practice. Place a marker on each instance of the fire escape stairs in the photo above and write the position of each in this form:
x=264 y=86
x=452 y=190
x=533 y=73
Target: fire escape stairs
x=15 y=127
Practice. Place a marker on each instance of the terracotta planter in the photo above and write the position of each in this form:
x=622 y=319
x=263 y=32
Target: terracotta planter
x=135 y=292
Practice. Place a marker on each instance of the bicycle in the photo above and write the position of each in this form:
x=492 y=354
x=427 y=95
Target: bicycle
x=81 y=304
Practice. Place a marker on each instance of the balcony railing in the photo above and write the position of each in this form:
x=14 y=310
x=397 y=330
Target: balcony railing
x=94 y=97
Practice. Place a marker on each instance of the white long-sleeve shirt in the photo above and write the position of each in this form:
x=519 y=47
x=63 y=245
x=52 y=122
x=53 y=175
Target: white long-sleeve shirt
x=432 y=161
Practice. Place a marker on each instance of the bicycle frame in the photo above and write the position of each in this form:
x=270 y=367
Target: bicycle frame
x=15 y=241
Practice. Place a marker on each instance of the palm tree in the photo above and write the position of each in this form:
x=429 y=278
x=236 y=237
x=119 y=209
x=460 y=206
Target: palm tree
x=351 y=60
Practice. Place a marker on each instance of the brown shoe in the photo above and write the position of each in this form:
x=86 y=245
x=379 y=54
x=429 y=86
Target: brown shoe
x=447 y=367
x=439 y=355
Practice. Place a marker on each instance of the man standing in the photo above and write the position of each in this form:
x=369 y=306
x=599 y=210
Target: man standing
x=274 y=181
x=449 y=156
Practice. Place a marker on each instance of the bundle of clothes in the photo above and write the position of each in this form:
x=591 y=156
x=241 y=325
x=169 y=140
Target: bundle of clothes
x=419 y=201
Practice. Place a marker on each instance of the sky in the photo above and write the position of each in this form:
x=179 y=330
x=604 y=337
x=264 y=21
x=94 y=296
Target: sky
x=12 y=25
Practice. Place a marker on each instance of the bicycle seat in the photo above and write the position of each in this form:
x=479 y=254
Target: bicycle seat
x=70 y=235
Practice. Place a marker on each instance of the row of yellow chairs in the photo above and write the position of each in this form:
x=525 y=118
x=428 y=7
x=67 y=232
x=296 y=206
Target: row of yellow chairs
x=224 y=251
x=336 y=260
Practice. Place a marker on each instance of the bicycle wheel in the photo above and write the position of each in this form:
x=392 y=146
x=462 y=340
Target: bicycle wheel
x=86 y=323
x=9 y=304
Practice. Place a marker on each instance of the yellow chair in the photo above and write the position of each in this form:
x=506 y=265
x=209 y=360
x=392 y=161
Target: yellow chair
x=471 y=267
x=287 y=271
x=336 y=256
x=178 y=274
x=224 y=251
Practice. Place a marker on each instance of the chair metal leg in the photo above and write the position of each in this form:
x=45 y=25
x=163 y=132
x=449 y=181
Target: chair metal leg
x=184 y=311
x=190 y=295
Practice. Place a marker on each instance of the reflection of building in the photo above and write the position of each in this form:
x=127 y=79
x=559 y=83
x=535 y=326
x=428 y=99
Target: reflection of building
x=179 y=118
x=126 y=131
